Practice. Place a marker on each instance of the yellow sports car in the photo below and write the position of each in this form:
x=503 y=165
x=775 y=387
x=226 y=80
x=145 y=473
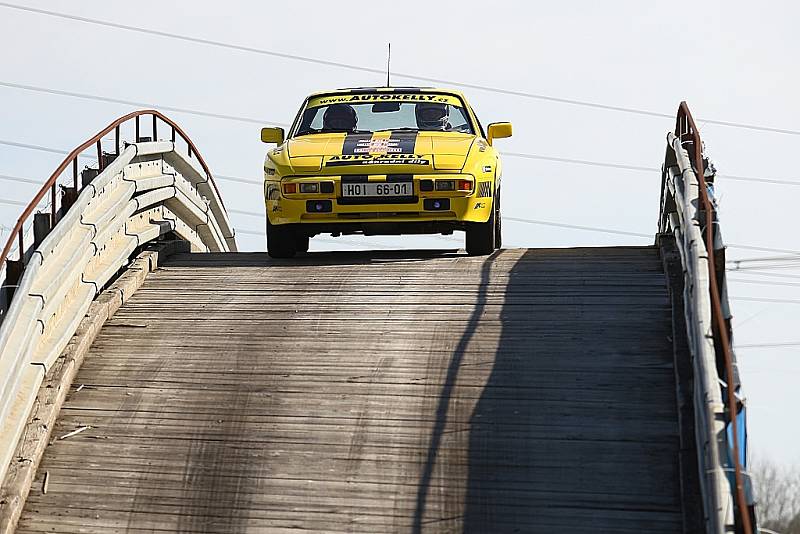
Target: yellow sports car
x=383 y=161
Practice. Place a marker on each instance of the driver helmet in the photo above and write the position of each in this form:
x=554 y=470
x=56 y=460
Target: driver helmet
x=339 y=117
x=432 y=116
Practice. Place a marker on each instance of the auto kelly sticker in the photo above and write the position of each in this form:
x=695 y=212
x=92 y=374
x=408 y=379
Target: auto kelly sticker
x=369 y=98
x=377 y=159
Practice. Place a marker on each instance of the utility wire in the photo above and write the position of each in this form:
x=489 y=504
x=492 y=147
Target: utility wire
x=771 y=275
x=523 y=155
x=793 y=265
x=318 y=61
x=765 y=249
x=577 y=227
x=327 y=240
x=513 y=219
x=19 y=179
x=512 y=154
x=505 y=218
x=763 y=282
x=768 y=345
x=139 y=104
x=764 y=299
x=764 y=259
x=43 y=149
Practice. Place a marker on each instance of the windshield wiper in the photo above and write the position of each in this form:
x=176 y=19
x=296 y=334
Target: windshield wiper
x=403 y=129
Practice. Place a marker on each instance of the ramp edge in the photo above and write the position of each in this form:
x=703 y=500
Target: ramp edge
x=57 y=383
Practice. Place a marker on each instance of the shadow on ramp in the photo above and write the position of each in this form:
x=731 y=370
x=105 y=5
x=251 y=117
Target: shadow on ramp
x=309 y=259
x=575 y=429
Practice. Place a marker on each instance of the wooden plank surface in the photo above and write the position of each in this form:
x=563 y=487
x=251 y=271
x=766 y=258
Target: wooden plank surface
x=532 y=391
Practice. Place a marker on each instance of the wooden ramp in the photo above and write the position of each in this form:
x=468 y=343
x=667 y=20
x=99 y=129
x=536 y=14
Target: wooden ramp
x=532 y=391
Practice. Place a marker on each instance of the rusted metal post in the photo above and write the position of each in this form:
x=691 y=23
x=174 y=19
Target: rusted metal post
x=99 y=155
x=41 y=227
x=53 y=206
x=68 y=197
x=14 y=270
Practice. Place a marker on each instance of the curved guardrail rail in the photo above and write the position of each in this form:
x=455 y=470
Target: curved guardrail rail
x=136 y=194
x=688 y=211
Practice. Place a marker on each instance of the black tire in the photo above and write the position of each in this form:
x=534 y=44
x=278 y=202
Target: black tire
x=280 y=241
x=301 y=242
x=498 y=222
x=481 y=237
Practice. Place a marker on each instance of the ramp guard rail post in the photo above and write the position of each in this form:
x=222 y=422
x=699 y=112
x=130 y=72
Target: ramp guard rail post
x=688 y=211
x=66 y=256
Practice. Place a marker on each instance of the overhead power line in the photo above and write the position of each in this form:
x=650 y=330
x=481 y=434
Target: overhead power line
x=512 y=154
x=763 y=282
x=762 y=260
x=43 y=148
x=764 y=299
x=578 y=227
x=506 y=218
x=768 y=345
x=513 y=219
x=99 y=98
x=19 y=179
x=765 y=249
x=771 y=266
x=769 y=275
x=381 y=71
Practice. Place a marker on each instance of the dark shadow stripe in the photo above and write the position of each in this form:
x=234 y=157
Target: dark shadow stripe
x=447 y=393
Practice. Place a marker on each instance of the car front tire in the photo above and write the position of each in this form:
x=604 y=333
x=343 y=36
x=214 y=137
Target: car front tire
x=481 y=237
x=301 y=242
x=281 y=241
x=498 y=222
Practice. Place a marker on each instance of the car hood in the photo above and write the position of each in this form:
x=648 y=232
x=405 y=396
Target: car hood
x=375 y=153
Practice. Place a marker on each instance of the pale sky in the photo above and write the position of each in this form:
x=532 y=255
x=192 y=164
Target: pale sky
x=730 y=60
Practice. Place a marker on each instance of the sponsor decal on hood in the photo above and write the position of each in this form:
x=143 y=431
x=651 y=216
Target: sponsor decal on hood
x=377 y=159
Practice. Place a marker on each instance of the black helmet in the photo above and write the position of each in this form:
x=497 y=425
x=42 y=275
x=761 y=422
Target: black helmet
x=432 y=116
x=339 y=117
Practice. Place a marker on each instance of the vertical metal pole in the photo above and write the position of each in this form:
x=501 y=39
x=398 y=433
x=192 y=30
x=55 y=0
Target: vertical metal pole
x=99 y=155
x=75 y=173
x=116 y=135
x=155 y=128
x=21 y=246
x=136 y=139
x=53 y=205
x=173 y=134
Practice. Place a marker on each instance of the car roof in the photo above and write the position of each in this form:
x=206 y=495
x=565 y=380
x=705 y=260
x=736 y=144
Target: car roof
x=405 y=90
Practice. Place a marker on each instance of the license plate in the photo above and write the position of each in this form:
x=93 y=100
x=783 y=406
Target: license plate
x=378 y=189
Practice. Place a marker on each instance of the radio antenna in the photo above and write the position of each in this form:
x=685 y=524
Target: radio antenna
x=388 y=64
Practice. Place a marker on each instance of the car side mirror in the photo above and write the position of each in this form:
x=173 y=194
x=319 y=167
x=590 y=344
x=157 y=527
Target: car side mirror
x=272 y=135
x=498 y=130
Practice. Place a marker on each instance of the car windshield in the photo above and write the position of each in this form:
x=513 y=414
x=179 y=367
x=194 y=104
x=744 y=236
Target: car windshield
x=350 y=114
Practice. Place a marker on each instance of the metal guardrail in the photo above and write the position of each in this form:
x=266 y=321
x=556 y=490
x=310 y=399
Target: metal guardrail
x=140 y=192
x=688 y=211
x=47 y=199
